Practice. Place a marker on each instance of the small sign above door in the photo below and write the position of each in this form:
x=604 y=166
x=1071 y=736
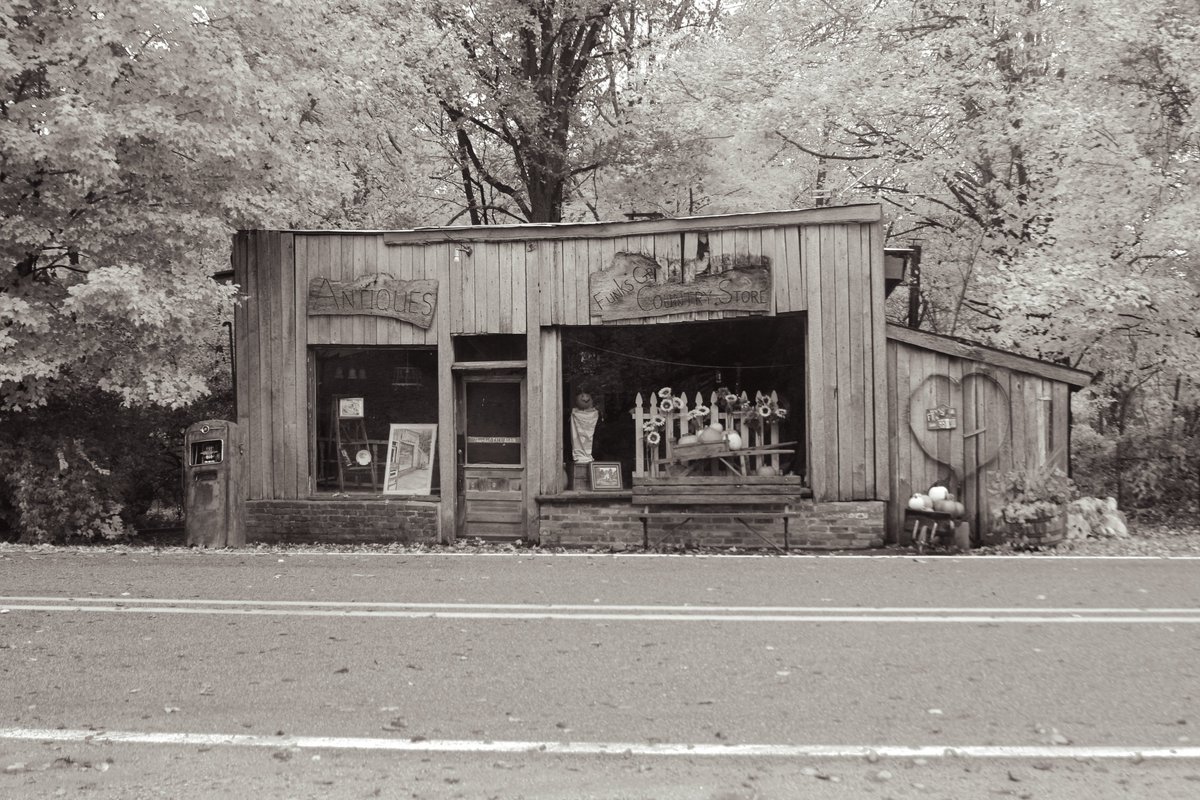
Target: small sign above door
x=375 y=295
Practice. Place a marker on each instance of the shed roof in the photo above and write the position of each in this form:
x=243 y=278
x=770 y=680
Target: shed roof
x=963 y=348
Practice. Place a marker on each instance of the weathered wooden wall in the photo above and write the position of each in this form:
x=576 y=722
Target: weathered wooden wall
x=345 y=256
x=271 y=348
x=847 y=397
x=826 y=263
x=1013 y=413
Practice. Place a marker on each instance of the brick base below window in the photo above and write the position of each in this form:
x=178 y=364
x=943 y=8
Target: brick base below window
x=342 y=521
x=574 y=522
x=581 y=522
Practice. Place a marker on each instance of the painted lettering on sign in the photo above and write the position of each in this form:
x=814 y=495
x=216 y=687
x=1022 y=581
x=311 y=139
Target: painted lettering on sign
x=941 y=418
x=635 y=286
x=375 y=295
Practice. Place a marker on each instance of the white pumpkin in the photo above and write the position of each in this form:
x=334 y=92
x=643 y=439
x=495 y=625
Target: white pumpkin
x=938 y=493
x=917 y=502
x=734 y=440
x=711 y=435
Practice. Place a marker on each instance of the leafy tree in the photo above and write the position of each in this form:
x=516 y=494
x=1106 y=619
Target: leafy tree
x=135 y=137
x=531 y=93
x=1043 y=151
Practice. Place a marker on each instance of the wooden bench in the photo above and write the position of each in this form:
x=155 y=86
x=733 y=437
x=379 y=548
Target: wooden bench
x=679 y=497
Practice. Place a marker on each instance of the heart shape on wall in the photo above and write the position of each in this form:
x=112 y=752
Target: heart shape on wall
x=983 y=420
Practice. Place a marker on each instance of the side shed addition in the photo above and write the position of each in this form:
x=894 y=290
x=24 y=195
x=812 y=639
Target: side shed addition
x=959 y=413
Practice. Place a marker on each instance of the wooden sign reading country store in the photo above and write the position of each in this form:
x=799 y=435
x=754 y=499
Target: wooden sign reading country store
x=636 y=286
x=375 y=295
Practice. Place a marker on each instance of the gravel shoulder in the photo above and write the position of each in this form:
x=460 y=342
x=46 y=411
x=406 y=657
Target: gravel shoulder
x=1162 y=539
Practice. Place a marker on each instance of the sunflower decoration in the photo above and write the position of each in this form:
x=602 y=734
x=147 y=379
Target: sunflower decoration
x=728 y=401
x=767 y=410
x=652 y=428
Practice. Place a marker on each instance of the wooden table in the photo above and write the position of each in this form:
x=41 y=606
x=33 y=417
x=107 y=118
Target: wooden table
x=690 y=456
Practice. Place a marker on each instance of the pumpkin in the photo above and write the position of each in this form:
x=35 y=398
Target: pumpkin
x=766 y=471
x=917 y=502
x=688 y=439
x=937 y=493
x=944 y=506
x=734 y=440
x=711 y=435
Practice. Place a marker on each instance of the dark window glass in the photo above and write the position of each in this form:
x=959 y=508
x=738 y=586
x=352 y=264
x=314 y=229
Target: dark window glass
x=394 y=384
x=490 y=347
x=493 y=426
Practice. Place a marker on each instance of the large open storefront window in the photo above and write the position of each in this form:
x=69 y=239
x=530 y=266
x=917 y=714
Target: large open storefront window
x=376 y=415
x=738 y=357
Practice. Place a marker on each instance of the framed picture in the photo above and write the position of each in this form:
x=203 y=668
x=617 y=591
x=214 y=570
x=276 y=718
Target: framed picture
x=410 y=453
x=606 y=476
x=350 y=408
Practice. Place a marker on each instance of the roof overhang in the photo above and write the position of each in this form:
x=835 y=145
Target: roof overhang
x=962 y=348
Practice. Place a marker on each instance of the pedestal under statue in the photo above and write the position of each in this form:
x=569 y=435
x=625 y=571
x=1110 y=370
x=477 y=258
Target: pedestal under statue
x=584 y=417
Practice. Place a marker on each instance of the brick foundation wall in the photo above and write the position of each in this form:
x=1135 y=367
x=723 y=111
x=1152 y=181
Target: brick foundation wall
x=581 y=521
x=342 y=521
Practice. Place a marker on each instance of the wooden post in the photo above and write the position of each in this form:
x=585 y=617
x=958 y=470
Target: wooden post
x=447 y=435
x=530 y=265
x=639 y=438
x=552 y=411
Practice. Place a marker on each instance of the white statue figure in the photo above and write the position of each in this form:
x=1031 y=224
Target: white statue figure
x=584 y=417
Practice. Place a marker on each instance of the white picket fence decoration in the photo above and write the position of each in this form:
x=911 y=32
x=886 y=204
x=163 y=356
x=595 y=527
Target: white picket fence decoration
x=647 y=456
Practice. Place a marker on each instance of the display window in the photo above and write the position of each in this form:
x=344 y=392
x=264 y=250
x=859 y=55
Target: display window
x=375 y=417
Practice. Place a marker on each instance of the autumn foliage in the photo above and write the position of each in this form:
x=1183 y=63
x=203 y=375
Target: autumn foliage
x=1044 y=154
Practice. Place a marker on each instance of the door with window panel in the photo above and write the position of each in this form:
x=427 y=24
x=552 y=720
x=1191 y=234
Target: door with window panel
x=492 y=455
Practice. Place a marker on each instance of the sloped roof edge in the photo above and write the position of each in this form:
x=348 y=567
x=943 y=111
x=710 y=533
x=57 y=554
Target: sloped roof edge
x=964 y=348
x=859 y=212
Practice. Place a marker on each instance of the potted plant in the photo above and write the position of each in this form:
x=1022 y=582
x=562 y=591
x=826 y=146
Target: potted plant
x=1029 y=506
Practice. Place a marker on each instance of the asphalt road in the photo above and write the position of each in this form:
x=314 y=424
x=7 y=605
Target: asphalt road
x=148 y=674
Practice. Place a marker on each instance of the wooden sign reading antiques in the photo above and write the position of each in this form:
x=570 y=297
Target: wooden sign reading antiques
x=636 y=286
x=375 y=295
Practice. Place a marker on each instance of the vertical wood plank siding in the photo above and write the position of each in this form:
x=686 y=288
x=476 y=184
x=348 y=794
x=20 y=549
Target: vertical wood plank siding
x=1024 y=432
x=832 y=272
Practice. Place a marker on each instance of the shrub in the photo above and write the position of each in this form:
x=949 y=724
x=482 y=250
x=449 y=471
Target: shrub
x=58 y=491
x=88 y=468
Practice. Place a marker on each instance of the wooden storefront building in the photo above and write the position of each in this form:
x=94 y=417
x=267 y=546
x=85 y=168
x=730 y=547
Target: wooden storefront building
x=418 y=385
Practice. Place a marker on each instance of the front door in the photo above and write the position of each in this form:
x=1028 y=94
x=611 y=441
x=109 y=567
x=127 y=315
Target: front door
x=492 y=456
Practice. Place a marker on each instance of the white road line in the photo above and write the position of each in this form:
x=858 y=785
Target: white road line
x=597 y=748
x=593 y=607
x=606 y=617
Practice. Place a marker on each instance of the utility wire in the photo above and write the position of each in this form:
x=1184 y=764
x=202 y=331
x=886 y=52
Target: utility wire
x=674 y=363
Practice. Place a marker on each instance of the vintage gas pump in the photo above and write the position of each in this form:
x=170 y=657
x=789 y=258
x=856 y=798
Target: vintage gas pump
x=212 y=485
